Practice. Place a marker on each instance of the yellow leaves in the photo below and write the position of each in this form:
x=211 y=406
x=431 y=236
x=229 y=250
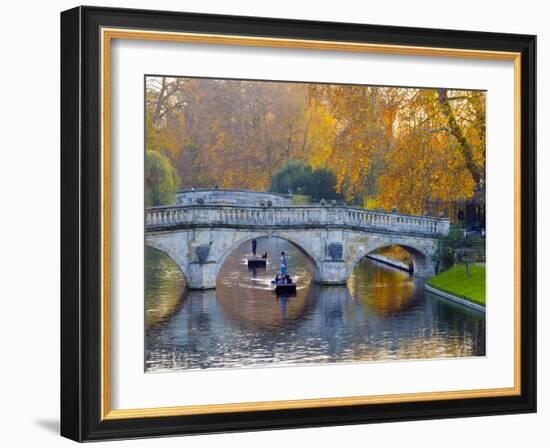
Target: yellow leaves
x=420 y=168
x=386 y=146
x=370 y=203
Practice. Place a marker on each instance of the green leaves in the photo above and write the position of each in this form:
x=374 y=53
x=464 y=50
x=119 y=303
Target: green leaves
x=161 y=180
x=300 y=178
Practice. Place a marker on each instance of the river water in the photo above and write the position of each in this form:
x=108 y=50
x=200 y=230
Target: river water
x=382 y=314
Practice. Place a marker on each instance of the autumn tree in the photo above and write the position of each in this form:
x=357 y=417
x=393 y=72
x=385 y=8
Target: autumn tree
x=467 y=117
x=383 y=146
x=426 y=161
x=360 y=130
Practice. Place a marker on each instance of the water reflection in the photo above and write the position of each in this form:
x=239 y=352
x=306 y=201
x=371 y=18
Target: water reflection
x=164 y=287
x=382 y=314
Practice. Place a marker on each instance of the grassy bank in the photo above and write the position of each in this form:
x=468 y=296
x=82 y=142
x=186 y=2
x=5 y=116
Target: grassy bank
x=455 y=281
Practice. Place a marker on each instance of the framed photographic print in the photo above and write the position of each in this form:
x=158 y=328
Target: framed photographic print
x=273 y=223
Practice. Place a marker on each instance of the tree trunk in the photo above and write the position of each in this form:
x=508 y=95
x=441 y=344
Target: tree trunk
x=289 y=141
x=158 y=105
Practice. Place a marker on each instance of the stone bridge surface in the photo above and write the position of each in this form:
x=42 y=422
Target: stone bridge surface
x=199 y=238
x=232 y=197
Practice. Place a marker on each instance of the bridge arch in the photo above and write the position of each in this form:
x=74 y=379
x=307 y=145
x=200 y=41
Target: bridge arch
x=172 y=255
x=422 y=260
x=307 y=252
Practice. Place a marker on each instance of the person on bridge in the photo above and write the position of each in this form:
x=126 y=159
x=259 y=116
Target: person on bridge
x=283 y=264
x=264 y=256
x=254 y=244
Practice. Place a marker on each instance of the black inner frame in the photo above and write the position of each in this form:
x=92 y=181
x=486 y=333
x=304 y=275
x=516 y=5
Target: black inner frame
x=81 y=224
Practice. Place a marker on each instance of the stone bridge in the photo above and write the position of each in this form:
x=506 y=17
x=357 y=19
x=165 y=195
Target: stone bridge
x=199 y=238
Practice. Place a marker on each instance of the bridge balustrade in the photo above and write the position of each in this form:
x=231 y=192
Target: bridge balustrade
x=291 y=216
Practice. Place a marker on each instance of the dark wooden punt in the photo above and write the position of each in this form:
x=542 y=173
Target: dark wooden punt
x=256 y=262
x=285 y=288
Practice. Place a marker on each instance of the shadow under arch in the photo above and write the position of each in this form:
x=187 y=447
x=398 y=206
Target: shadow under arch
x=419 y=258
x=313 y=265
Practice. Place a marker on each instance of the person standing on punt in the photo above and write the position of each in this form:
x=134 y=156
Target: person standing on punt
x=254 y=244
x=283 y=264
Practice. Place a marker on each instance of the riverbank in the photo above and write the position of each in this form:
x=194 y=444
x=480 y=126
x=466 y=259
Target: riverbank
x=391 y=262
x=455 y=283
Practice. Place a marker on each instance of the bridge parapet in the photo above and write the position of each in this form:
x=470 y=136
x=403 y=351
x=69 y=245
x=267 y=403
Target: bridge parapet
x=165 y=218
x=222 y=196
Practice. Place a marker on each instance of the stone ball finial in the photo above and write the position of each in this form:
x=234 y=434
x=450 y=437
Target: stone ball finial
x=269 y=202
x=333 y=202
x=394 y=209
x=323 y=202
x=200 y=200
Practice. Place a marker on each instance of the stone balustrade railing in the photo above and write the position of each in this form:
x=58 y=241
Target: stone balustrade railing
x=231 y=197
x=159 y=218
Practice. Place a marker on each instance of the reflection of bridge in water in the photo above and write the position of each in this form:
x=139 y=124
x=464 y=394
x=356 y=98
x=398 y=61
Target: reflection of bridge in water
x=199 y=237
x=224 y=328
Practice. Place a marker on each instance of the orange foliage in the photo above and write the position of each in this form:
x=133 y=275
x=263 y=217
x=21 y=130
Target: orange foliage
x=386 y=146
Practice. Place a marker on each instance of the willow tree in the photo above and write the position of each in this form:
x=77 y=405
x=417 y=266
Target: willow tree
x=161 y=180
